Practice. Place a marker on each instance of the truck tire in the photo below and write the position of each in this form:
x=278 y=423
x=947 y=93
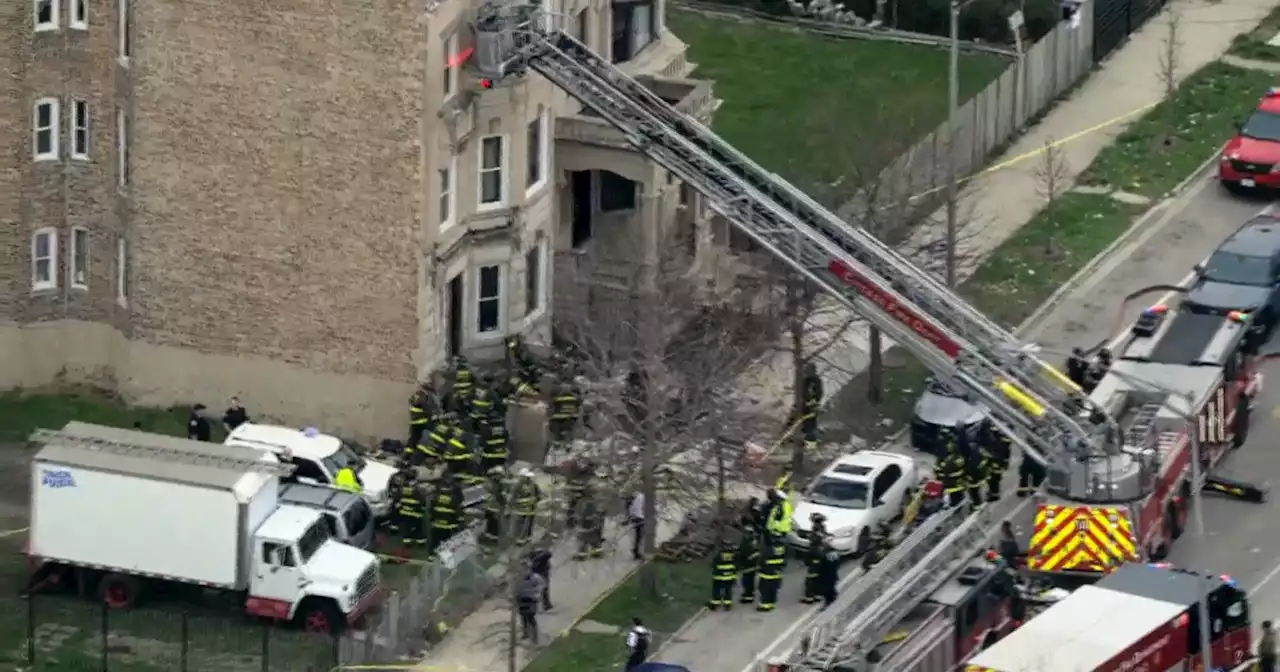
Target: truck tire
x=119 y=591
x=320 y=615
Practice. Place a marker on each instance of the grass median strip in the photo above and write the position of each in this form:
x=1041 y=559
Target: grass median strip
x=1255 y=43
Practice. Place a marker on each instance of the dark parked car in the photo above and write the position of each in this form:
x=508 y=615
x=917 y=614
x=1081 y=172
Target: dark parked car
x=1242 y=275
x=939 y=407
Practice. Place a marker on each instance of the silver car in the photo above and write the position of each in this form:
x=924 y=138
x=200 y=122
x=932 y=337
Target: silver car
x=348 y=514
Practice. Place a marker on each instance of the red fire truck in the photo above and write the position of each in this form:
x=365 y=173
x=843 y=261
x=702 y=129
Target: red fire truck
x=1140 y=618
x=1181 y=374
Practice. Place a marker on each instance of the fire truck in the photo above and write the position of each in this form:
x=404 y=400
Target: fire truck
x=1182 y=380
x=1139 y=618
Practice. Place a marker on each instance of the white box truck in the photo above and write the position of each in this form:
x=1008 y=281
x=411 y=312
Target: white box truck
x=115 y=512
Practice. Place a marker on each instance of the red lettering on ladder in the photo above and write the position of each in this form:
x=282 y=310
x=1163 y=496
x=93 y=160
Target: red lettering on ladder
x=894 y=308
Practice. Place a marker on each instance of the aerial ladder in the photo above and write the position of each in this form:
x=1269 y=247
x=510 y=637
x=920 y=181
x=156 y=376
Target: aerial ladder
x=1029 y=399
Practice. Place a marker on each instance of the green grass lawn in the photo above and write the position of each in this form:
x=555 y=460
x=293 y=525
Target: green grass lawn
x=1253 y=44
x=818 y=109
x=1160 y=149
x=683 y=590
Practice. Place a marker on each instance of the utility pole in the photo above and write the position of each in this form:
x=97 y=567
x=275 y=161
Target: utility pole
x=953 y=108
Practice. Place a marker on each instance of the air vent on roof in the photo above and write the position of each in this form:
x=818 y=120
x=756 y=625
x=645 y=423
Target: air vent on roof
x=852 y=469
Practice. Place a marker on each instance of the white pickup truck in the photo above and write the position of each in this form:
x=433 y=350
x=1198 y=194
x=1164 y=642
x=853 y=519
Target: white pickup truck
x=115 y=512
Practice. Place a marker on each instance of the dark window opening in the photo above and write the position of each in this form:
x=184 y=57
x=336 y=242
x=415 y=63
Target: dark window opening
x=580 y=185
x=635 y=26
x=616 y=192
x=489 y=300
x=582 y=28
x=533 y=279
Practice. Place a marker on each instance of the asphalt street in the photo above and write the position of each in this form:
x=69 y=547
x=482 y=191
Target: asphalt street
x=1241 y=540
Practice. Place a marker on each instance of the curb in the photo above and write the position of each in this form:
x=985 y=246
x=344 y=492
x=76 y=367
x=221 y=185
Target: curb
x=1144 y=222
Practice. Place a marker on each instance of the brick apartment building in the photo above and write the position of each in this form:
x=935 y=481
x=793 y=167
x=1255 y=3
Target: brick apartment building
x=298 y=202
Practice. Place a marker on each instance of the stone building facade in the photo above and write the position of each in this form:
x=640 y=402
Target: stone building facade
x=308 y=204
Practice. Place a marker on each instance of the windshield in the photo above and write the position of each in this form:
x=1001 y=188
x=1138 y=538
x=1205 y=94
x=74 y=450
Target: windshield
x=343 y=457
x=839 y=493
x=1238 y=269
x=1262 y=126
x=313 y=539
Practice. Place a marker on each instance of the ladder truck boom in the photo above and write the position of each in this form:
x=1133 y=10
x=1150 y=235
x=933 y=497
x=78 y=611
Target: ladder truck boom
x=1028 y=399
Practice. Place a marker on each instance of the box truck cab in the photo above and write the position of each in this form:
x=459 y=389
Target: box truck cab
x=348 y=515
x=317 y=458
x=117 y=513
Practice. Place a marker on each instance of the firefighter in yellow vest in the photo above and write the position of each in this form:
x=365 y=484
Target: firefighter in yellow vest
x=492 y=437
x=346 y=479
x=724 y=573
x=951 y=470
x=778 y=523
x=458 y=458
x=446 y=511
x=411 y=512
x=463 y=384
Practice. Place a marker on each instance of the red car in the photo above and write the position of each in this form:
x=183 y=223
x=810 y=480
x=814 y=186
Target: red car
x=1252 y=158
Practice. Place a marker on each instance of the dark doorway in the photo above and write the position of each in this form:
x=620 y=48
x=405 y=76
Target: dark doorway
x=453 y=340
x=580 y=183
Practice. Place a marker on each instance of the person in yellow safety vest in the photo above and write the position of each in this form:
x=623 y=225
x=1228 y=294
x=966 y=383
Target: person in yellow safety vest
x=772 y=562
x=411 y=513
x=346 y=479
x=446 y=511
x=778 y=524
x=724 y=573
x=493 y=445
x=525 y=496
x=951 y=470
x=812 y=404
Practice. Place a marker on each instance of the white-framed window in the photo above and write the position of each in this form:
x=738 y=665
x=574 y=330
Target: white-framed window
x=535 y=273
x=493 y=174
x=44 y=132
x=448 y=175
x=122 y=148
x=489 y=299
x=122 y=271
x=450 y=68
x=124 y=12
x=44 y=260
x=78 y=270
x=45 y=15
x=537 y=146
x=79 y=14
x=80 y=130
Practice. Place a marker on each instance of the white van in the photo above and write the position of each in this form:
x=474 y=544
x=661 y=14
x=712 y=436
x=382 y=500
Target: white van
x=318 y=457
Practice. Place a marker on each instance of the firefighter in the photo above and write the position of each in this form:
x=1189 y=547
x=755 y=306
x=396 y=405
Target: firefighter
x=1077 y=366
x=772 y=563
x=495 y=505
x=932 y=500
x=591 y=532
x=1097 y=371
x=446 y=511
x=481 y=409
x=346 y=479
x=432 y=447
x=463 y=385
x=753 y=518
x=518 y=361
x=814 y=557
x=748 y=560
x=418 y=417
x=812 y=404
x=525 y=495
x=879 y=543
x=998 y=450
x=951 y=470
x=578 y=479
x=405 y=474
x=778 y=521
x=829 y=576
x=456 y=454
x=977 y=472
x=492 y=439
x=411 y=512
x=566 y=409
x=724 y=573
x=1030 y=475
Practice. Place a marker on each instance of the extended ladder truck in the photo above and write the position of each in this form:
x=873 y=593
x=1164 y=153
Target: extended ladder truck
x=1049 y=418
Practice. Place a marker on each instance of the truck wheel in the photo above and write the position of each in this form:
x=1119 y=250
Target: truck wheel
x=318 y=615
x=118 y=591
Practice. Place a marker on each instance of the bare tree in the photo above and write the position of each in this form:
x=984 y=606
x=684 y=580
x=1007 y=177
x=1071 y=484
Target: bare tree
x=1169 y=64
x=661 y=350
x=1053 y=176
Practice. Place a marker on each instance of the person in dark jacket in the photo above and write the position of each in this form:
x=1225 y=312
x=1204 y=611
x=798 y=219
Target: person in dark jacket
x=235 y=415
x=748 y=562
x=1077 y=366
x=1267 y=648
x=197 y=425
x=637 y=644
x=528 y=594
x=540 y=563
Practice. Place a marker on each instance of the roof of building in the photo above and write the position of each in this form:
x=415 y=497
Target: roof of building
x=1083 y=631
x=156 y=456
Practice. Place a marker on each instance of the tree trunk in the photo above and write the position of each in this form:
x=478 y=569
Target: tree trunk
x=797 y=380
x=648 y=485
x=875 y=368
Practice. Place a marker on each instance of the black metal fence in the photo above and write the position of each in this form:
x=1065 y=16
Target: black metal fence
x=64 y=634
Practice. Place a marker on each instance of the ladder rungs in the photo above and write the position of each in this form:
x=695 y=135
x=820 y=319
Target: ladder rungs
x=158 y=452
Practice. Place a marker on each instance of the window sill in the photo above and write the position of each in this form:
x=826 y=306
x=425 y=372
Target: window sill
x=82 y=158
x=491 y=207
x=43 y=289
x=80 y=26
x=487 y=337
x=45 y=158
x=47 y=28
x=80 y=288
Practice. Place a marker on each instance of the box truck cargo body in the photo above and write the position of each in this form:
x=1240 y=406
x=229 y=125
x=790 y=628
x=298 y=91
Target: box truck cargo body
x=121 y=507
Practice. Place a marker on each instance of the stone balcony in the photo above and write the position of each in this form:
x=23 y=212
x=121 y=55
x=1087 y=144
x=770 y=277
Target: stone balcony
x=690 y=96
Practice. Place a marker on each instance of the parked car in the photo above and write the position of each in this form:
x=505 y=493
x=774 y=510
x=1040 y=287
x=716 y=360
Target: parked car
x=1251 y=159
x=347 y=515
x=856 y=493
x=1243 y=274
x=941 y=407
